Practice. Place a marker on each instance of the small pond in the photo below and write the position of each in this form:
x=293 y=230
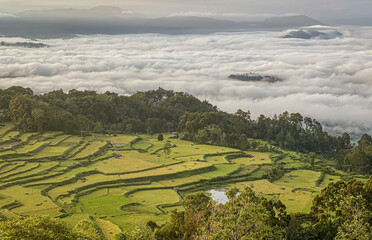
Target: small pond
x=218 y=195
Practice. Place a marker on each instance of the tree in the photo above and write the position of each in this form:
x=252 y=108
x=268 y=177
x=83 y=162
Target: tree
x=139 y=233
x=39 y=228
x=98 y=128
x=215 y=134
x=243 y=142
x=195 y=203
x=335 y=207
x=169 y=126
x=355 y=227
x=38 y=115
x=129 y=128
x=183 y=225
x=360 y=158
x=167 y=148
x=20 y=111
x=175 y=229
x=149 y=131
x=160 y=137
x=202 y=136
x=87 y=230
x=312 y=157
x=83 y=124
x=244 y=216
x=302 y=227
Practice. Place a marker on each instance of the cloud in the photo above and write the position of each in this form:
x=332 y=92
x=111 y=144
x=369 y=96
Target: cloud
x=329 y=80
x=7 y=15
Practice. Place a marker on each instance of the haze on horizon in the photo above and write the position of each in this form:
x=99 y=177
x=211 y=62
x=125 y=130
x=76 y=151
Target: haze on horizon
x=334 y=12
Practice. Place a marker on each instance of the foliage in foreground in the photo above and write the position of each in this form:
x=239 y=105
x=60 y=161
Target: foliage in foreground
x=342 y=211
x=46 y=228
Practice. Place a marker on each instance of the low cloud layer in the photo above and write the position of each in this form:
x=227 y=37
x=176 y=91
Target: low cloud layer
x=330 y=80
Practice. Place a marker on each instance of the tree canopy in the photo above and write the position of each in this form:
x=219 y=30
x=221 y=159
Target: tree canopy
x=160 y=111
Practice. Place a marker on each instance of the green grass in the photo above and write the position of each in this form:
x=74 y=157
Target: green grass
x=222 y=170
x=58 y=139
x=30 y=148
x=180 y=167
x=246 y=169
x=121 y=139
x=126 y=163
x=78 y=149
x=216 y=159
x=142 y=145
x=7 y=168
x=149 y=200
x=107 y=205
x=43 y=166
x=328 y=179
x=51 y=151
x=90 y=149
x=109 y=229
x=72 y=139
x=185 y=148
x=180 y=181
x=147 y=177
x=257 y=158
x=299 y=201
x=25 y=168
x=9 y=136
x=33 y=202
x=299 y=179
x=88 y=180
x=26 y=136
x=5 y=129
x=50 y=135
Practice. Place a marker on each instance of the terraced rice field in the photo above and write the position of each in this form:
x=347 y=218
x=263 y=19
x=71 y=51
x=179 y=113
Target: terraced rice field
x=122 y=181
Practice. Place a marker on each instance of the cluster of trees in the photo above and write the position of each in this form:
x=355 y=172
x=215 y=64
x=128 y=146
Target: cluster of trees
x=358 y=159
x=160 y=110
x=290 y=131
x=76 y=111
x=342 y=211
x=46 y=228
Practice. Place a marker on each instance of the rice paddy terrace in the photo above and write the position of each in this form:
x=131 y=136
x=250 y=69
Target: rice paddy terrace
x=125 y=180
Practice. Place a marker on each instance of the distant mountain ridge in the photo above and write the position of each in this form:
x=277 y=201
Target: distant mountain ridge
x=96 y=12
x=289 y=20
x=114 y=20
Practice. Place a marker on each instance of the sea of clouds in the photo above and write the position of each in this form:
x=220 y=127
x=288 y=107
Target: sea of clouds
x=330 y=80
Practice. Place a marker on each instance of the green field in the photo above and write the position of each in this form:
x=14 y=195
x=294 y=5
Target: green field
x=125 y=180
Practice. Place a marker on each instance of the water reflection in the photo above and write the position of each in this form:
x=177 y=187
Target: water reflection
x=218 y=195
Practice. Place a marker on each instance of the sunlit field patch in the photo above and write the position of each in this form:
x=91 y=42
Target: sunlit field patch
x=299 y=179
x=150 y=199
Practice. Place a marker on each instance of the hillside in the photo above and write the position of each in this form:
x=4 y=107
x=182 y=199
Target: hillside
x=124 y=180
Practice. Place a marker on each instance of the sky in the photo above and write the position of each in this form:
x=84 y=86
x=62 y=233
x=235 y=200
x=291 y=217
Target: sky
x=329 y=80
x=328 y=11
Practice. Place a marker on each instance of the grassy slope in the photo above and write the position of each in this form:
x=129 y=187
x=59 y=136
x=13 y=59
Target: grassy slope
x=117 y=192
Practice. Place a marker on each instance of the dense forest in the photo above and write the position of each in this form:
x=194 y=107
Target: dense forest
x=81 y=112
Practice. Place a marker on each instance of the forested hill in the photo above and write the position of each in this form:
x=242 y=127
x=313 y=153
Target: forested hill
x=80 y=112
